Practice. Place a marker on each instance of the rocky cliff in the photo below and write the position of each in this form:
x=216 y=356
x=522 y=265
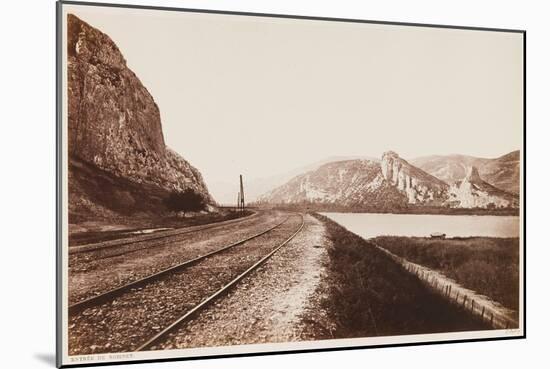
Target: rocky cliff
x=502 y=172
x=349 y=183
x=419 y=186
x=473 y=192
x=114 y=123
x=391 y=183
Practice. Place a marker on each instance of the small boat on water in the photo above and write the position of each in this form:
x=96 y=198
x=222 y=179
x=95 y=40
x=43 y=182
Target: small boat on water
x=438 y=235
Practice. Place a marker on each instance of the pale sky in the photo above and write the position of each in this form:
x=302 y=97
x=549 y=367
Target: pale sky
x=261 y=96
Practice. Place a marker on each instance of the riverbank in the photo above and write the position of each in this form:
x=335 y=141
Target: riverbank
x=487 y=265
x=369 y=294
x=427 y=210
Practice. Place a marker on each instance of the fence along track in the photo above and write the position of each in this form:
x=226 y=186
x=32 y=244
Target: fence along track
x=187 y=316
x=493 y=313
x=109 y=295
x=91 y=247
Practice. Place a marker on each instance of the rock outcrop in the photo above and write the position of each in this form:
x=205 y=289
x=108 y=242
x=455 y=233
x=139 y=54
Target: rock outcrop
x=353 y=184
x=419 y=186
x=472 y=176
x=473 y=192
x=502 y=172
x=113 y=121
x=393 y=183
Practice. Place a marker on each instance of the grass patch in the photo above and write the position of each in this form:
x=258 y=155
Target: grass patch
x=370 y=295
x=487 y=265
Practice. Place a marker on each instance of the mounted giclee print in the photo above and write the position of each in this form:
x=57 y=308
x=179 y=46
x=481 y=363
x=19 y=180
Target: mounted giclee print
x=234 y=183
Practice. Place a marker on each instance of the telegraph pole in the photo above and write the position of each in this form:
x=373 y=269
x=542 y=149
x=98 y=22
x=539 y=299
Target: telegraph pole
x=241 y=193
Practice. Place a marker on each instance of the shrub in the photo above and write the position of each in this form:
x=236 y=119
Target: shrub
x=187 y=200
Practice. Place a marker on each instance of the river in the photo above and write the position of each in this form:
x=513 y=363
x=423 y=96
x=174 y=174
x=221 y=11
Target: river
x=368 y=225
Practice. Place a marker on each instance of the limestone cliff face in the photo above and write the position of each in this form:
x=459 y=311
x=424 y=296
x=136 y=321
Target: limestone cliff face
x=502 y=172
x=353 y=184
x=392 y=183
x=114 y=122
x=419 y=186
x=473 y=192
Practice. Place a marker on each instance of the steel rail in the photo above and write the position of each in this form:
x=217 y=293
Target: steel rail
x=187 y=316
x=142 y=238
x=109 y=295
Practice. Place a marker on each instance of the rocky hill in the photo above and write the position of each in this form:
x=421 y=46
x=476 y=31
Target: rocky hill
x=349 y=183
x=419 y=186
x=391 y=183
x=259 y=186
x=502 y=172
x=473 y=192
x=115 y=134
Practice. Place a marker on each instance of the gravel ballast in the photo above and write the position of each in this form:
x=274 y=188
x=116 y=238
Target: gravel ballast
x=278 y=302
x=89 y=276
x=130 y=319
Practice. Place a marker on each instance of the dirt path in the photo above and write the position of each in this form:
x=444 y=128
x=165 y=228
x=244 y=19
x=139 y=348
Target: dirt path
x=273 y=304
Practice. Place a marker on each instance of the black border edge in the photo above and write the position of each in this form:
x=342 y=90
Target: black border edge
x=524 y=162
x=59 y=343
x=59 y=186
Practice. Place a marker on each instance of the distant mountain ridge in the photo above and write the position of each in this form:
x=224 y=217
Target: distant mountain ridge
x=474 y=192
x=357 y=182
x=502 y=172
x=257 y=187
x=391 y=182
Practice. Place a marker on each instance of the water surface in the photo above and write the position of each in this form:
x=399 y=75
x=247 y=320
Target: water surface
x=369 y=225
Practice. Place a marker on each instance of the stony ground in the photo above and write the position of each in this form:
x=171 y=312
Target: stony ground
x=90 y=274
x=279 y=302
x=291 y=297
x=129 y=320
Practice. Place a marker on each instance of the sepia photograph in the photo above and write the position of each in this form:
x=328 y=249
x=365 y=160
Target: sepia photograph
x=238 y=183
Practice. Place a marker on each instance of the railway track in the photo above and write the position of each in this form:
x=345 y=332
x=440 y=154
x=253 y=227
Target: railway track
x=102 y=250
x=188 y=291
x=157 y=338
x=108 y=295
x=148 y=237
